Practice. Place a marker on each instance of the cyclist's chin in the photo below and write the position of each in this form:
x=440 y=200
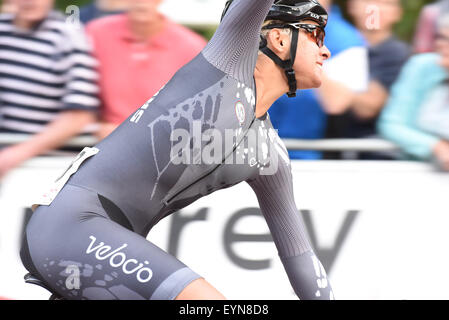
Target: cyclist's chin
x=311 y=83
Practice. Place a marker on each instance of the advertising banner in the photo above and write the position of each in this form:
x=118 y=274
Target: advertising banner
x=379 y=228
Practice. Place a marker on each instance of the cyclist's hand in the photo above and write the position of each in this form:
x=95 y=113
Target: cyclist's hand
x=441 y=152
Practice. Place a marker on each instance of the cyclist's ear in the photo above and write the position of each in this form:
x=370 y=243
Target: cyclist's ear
x=278 y=42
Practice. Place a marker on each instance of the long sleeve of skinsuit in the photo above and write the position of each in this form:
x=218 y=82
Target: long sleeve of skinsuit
x=305 y=272
x=234 y=50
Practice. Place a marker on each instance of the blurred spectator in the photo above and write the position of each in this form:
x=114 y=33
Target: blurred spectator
x=426 y=28
x=138 y=53
x=375 y=19
x=101 y=8
x=422 y=87
x=7 y=6
x=304 y=117
x=47 y=81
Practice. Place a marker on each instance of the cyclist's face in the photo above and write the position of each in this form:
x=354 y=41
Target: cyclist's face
x=309 y=60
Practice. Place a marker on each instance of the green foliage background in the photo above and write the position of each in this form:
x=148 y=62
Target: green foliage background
x=405 y=29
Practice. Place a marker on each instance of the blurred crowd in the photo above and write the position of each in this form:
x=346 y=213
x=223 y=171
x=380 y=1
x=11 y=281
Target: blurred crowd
x=61 y=79
x=63 y=76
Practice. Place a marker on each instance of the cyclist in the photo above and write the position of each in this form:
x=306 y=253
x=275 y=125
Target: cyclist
x=98 y=214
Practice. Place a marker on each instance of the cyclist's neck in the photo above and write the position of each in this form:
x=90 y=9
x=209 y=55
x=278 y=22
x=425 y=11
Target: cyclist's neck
x=271 y=84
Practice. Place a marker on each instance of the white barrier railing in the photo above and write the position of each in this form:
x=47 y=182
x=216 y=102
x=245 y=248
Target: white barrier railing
x=292 y=144
x=8 y=139
x=341 y=145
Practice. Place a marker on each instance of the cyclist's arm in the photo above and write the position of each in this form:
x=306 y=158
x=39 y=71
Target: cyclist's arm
x=275 y=195
x=234 y=46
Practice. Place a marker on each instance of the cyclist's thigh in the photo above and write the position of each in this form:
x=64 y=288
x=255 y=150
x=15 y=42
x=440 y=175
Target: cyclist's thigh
x=82 y=254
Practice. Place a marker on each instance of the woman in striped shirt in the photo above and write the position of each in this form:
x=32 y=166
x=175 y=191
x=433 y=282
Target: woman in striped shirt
x=47 y=80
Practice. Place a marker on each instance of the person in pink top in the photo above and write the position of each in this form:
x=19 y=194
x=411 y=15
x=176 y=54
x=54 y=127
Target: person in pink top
x=426 y=30
x=138 y=52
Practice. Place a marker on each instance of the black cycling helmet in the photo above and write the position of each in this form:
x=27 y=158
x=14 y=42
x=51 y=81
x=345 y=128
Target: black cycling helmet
x=226 y=8
x=286 y=13
x=292 y=11
x=298 y=10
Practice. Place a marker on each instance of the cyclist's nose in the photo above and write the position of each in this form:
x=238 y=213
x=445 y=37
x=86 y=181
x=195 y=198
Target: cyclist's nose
x=325 y=53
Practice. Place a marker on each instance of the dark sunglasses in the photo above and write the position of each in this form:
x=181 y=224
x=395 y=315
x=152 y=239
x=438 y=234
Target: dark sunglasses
x=315 y=31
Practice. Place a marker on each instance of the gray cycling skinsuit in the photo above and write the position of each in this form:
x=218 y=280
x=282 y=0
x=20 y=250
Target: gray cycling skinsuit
x=95 y=228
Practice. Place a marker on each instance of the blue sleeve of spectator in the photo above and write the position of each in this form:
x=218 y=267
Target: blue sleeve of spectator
x=397 y=121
